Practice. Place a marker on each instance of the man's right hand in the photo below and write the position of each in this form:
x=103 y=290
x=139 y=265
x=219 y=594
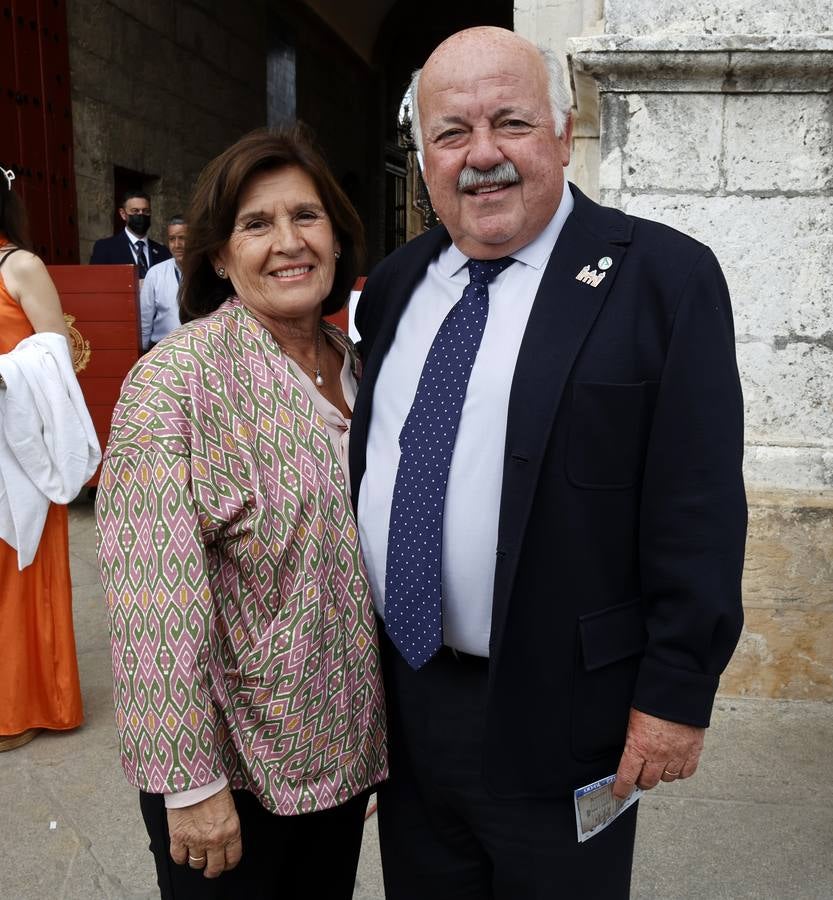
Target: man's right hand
x=207 y=834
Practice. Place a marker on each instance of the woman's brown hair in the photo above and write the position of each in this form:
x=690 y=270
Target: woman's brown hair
x=13 y=221
x=214 y=208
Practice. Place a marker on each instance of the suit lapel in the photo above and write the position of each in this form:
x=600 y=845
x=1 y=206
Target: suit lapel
x=127 y=248
x=407 y=269
x=562 y=316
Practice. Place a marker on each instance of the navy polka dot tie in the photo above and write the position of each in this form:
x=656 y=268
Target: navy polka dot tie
x=413 y=580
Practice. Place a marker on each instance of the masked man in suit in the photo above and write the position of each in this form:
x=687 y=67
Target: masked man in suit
x=132 y=245
x=547 y=447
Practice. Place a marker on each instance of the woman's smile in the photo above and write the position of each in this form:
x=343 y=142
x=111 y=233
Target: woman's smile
x=294 y=273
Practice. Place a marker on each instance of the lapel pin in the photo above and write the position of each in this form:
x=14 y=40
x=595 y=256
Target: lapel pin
x=605 y=263
x=590 y=276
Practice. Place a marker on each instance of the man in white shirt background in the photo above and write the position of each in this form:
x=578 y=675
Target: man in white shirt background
x=159 y=299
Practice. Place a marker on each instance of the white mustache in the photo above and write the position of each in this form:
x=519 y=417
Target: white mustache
x=503 y=173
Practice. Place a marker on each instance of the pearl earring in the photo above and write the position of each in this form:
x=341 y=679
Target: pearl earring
x=338 y=254
x=221 y=271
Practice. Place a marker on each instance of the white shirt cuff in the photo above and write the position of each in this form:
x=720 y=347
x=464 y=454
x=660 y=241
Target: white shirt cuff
x=196 y=795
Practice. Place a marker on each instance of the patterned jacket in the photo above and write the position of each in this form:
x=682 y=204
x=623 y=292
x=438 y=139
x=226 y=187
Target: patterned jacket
x=242 y=629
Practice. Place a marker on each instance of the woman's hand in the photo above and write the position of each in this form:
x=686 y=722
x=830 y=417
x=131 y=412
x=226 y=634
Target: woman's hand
x=207 y=834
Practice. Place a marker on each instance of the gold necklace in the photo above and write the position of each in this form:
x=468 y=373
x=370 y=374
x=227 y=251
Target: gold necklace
x=316 y=372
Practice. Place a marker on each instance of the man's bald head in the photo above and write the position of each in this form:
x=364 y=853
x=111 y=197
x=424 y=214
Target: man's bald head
x=482 y=39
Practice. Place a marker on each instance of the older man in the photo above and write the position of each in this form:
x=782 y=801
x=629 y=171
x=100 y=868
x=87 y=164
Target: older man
x=547 y=445
x=159 y=299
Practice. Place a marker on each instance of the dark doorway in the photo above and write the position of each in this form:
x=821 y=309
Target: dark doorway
x=406 y=38
x=125 y=180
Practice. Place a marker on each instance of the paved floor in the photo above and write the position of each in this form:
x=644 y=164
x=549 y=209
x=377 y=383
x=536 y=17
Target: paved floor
x=756 y=821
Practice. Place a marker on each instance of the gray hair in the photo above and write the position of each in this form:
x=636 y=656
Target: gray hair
x=178 y=219
x=560 y=98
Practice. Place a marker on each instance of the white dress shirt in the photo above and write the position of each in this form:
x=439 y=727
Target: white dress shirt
x=472 y=501
x=132 y=238
x=159 y=302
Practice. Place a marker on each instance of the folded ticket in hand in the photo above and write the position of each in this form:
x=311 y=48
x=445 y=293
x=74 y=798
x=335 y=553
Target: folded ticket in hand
x=596 y=807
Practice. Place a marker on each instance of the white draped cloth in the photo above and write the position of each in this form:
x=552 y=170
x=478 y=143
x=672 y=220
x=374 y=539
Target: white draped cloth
x=48 y=446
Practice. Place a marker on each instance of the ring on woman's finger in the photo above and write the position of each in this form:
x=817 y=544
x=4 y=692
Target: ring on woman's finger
x=195 y=862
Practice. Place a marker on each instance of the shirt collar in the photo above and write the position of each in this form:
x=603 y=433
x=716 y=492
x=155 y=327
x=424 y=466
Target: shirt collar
x=535 y=253
x=135 y=237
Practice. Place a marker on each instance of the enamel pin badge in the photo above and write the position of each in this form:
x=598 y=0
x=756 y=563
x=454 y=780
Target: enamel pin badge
x=591 y=276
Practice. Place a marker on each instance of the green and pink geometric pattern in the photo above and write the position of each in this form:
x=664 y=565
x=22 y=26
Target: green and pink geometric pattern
x=243 y=635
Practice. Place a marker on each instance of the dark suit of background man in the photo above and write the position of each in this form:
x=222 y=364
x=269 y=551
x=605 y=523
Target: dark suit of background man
x=594 y=519
x=131 y=246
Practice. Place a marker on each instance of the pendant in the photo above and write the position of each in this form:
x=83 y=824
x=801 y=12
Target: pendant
x=319 y=379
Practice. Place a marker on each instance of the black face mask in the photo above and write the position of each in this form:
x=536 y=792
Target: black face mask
x=138 y=223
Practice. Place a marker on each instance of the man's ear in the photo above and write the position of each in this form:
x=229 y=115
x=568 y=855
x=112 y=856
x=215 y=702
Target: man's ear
x=123 y=214
x=424 y=171
x=567 y=141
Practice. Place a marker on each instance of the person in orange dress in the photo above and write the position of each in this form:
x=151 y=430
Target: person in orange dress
x=39 y=686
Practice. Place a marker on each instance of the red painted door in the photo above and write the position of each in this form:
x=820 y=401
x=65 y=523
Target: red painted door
x=36 y=117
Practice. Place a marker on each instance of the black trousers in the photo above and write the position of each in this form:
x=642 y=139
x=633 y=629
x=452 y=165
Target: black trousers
x=285 y=857
x=443 y=836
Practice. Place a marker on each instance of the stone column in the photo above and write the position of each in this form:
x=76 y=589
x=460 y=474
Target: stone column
x=549 y=23
x=728 y=136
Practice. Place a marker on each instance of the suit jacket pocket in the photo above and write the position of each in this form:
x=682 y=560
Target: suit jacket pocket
x=610 y=643
x=608 y=432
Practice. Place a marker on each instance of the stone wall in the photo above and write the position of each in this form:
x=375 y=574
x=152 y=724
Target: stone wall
x=717 y=118
x=786 y=649
x=549 y=24
x=159 y=87
x=725 y=17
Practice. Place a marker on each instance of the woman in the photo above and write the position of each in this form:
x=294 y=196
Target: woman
x=38 y=670
x=247 y=679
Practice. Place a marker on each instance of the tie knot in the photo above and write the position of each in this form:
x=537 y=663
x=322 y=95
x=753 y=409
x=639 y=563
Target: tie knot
x=140 y=245
x=484 y=271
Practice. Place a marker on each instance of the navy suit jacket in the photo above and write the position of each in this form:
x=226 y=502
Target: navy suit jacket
x=623 y=515
x=116 y=250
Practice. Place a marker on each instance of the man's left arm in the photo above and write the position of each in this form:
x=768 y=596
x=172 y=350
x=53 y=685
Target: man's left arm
x=692 y=537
